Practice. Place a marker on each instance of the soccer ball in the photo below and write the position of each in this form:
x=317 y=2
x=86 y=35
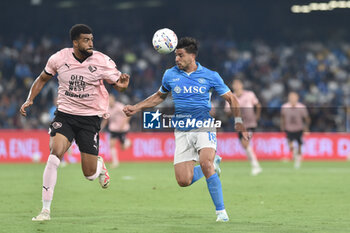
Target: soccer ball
x=164 y=41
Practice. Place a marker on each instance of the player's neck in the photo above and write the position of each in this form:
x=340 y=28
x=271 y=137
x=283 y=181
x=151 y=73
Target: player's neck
x=79 y=56
x=191 y=68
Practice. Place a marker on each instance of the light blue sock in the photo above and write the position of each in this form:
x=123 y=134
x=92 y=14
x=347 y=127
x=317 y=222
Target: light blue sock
x=215 y=190
x=197 y=173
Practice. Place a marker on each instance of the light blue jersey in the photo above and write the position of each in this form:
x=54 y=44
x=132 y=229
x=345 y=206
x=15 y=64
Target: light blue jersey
x=192 y=92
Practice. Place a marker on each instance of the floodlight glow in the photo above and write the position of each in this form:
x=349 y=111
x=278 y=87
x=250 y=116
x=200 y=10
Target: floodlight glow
x=305 y=9
x=314 y=6
x=320 y=6
x=296 y=9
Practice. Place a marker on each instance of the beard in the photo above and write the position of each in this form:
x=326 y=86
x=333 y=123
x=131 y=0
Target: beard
x=85 y=52
x=181 y=66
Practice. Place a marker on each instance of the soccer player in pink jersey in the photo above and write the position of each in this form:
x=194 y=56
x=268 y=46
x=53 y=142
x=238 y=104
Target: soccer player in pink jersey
x=82 y=102
x=295 y=121
x=250 y=110
x=118 y=126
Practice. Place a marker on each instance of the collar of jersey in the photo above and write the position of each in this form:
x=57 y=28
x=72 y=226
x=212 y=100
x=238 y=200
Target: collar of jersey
x=81 y=61
x=199 y=68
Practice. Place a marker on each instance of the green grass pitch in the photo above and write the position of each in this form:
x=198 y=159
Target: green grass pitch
x=144 y=197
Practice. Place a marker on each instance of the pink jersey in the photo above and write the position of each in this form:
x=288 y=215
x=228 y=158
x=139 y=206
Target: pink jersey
x=294 y=116
x=247 y=100
x=118 y=122
x=81 y=90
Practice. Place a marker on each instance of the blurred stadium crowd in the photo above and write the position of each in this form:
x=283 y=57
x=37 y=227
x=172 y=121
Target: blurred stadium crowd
x=318 y=71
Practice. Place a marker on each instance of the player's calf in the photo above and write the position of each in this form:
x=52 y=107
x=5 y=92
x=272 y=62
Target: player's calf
x=93 y=175
x=101 y=172
x=90 y=174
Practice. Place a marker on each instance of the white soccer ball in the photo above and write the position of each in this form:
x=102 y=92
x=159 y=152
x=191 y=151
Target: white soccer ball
x=164 y=41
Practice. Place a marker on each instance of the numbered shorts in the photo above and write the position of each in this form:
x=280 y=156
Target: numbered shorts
x=84 y=129
x=188 y=143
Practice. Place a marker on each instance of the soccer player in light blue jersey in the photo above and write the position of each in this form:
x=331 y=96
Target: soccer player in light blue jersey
x=191 y=86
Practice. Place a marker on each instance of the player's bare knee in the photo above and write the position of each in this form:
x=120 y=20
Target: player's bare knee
x=184 y=182
x=206 y=165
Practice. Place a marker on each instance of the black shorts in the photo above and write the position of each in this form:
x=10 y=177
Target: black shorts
x=84 y=129
x=240 y=135
x=121 y=136
x=291 y=136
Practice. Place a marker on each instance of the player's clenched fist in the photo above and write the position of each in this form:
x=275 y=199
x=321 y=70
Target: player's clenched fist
x=124 y=78
x=24 y=106
x=129 y=110
x=123 y=81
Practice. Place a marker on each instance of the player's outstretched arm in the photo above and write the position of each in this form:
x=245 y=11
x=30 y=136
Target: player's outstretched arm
x=239 y=127
x=150 y=102
x=35 y=89
x=122 y=83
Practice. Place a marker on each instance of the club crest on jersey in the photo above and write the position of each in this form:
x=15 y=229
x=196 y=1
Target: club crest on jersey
x=92 y=68
x=56 y=125
x=177 y=89
x=201 y=80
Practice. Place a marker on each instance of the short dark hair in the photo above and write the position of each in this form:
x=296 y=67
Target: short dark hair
x=189 y=44
x=78 y=29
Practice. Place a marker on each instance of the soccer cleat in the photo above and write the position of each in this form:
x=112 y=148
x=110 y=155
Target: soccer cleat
x=43 y=216
x=104 y=176
x=217 y=161
x=222 y=216
x=256 y=171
